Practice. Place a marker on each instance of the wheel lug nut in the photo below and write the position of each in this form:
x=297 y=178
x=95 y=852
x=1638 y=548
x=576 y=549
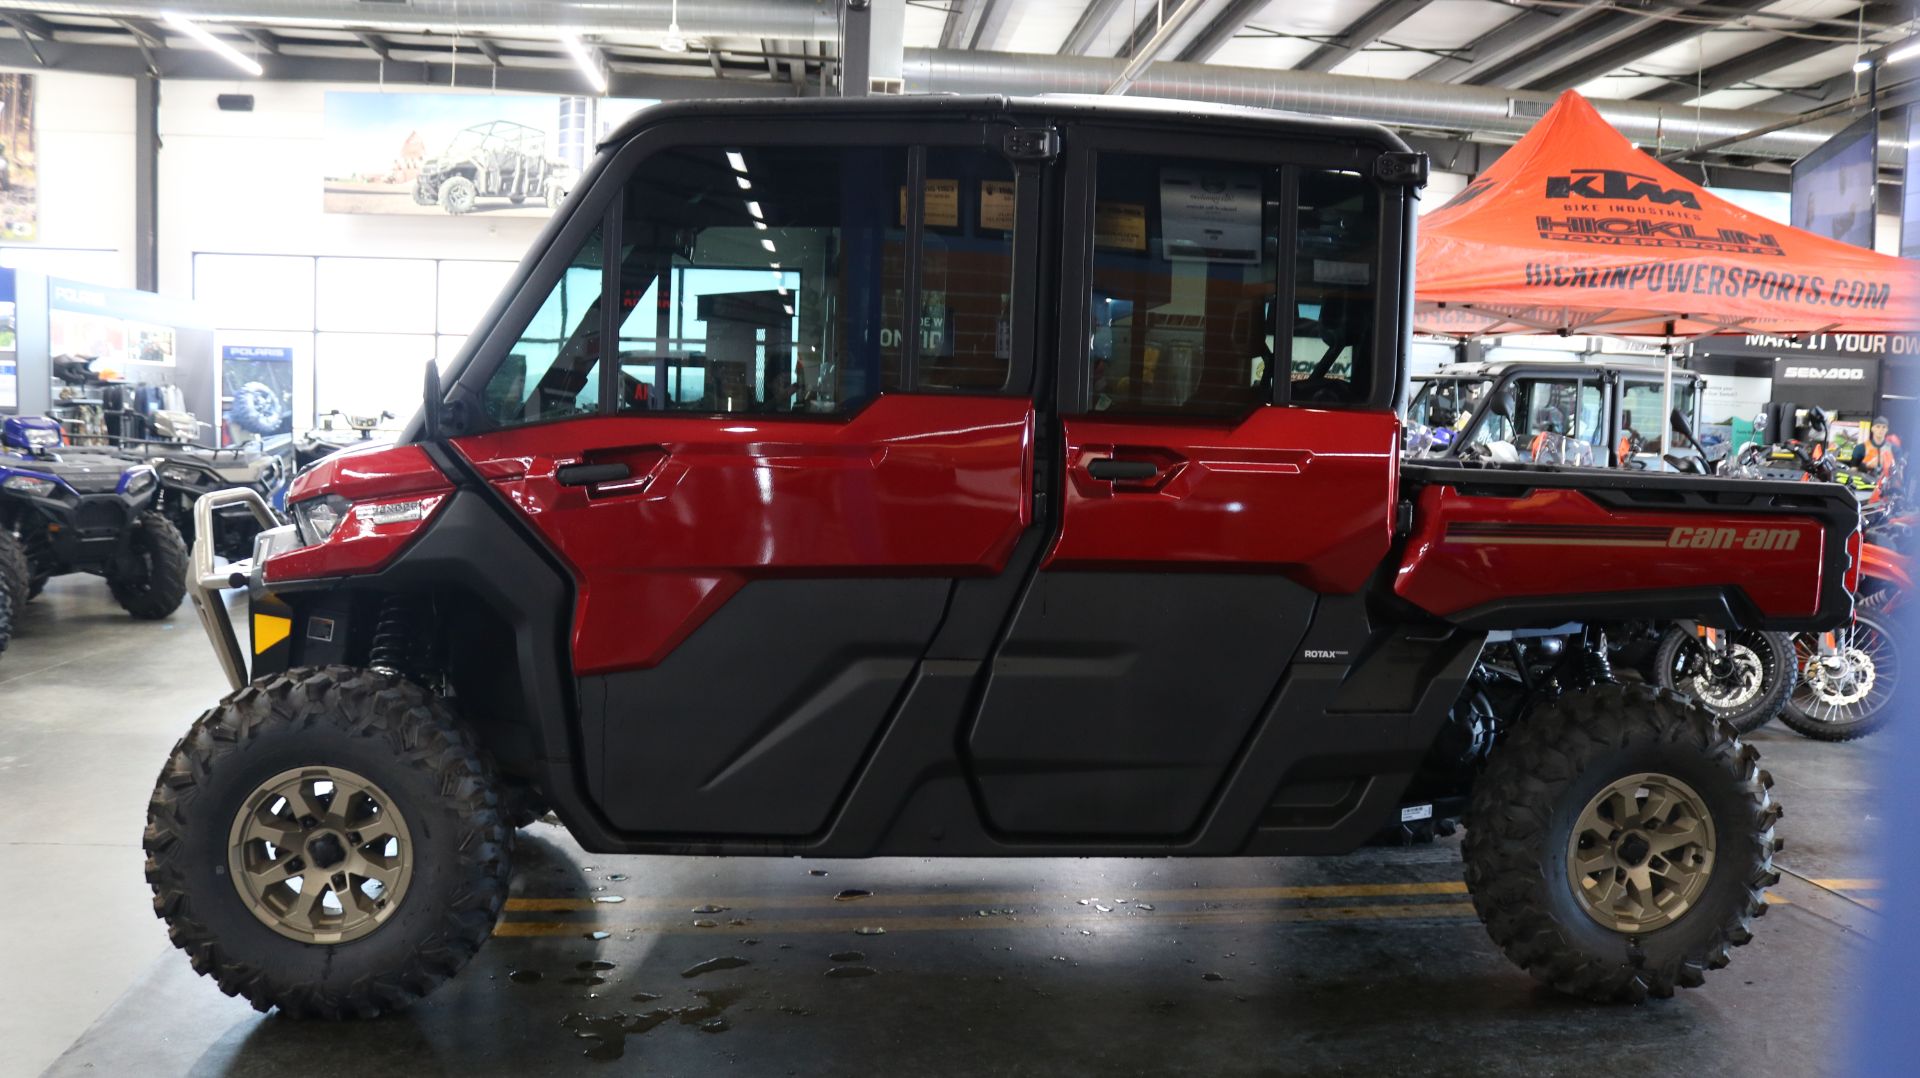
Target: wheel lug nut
x=353 y=837
x=296 y=865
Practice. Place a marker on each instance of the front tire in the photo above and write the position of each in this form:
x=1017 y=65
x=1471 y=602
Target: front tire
x=1664 y=789
x=422 y=822
x=152 y=581
x=16 y=575
x=1849 y=695
x=1758 y=673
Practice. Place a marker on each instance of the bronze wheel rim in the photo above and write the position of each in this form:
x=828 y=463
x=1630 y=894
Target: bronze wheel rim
x=320 y=854
x=1641 y=853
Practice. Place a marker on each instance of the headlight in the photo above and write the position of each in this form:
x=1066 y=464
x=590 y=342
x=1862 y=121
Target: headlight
x=140 y=483
x=317 y=517
x=41 y=439
x=192 y=477
x=28 y=485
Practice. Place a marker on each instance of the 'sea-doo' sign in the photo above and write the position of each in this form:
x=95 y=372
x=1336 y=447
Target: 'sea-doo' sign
x=1826 y=374
x=1616 y=186
x=1734 y=538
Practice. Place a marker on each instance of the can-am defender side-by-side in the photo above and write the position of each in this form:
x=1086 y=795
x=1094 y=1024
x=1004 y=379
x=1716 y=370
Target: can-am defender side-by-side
x=84 y=511
x=1053 y=509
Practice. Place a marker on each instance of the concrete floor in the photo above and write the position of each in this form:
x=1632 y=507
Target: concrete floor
x=1368 y=965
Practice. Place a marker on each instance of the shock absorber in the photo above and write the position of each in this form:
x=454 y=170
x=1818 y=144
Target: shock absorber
x=396 y=645
x=1599 y=661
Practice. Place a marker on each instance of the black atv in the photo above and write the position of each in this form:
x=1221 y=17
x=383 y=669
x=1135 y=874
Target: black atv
x=164 y=438
x=84 y=511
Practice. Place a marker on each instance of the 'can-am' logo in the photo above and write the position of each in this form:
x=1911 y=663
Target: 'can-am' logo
x=1615 y=185
x=1734 y=538
x=1826 y=374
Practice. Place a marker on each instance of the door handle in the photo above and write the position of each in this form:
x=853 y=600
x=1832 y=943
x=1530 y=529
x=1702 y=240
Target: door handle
x=586 y=475
x=1119 y=470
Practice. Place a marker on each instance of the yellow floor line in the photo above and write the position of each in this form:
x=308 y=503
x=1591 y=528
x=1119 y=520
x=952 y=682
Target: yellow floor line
x=1000 y=899
x=1848 y=884
x=844 y=925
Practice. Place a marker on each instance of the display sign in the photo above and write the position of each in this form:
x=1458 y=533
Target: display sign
x=1833 y=187
x=1838 y=385
x=9 y=344
x=1120 y=226
x=941 y=207
x=996 y=205
x=256 y=392
x=435 y=154
x=86 y=322
x=1210 y=215
x=19 y=161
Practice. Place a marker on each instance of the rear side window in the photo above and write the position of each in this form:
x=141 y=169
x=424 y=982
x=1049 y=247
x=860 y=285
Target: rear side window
x=1335 y=278
x=1184 y=266
x=762 y=280
x=1221 y=286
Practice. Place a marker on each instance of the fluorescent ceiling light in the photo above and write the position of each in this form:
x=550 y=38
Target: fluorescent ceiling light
x=761 y=225
x=767 y=243
x=1906 y=52
x=745 y=184
x=584 y=60
x=754 y=208
x=738 y=162
x=231 y=54
x=1861 y=66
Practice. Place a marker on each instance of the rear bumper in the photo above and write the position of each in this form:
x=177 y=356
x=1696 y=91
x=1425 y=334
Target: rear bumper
x=205 y=581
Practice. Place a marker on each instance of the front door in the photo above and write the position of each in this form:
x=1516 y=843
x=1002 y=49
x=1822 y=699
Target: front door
x=1228 y=431
x=817 y=418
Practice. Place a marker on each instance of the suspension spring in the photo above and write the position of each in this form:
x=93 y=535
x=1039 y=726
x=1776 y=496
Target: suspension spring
x=396 y=642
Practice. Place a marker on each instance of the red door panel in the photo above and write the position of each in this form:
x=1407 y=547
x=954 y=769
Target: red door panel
x=1468 y=550
x=910 y=486
x=1305 y=493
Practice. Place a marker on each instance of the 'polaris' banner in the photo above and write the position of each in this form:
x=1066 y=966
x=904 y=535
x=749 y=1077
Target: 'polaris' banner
x=1576 y=231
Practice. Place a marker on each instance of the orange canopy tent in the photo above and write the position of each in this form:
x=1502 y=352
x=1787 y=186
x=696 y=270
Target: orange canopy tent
x=1575 y=231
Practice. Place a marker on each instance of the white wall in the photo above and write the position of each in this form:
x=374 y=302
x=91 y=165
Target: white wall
x=249 y=183
x=83 y=133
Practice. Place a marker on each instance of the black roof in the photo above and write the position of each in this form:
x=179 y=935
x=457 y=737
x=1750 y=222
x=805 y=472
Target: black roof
x=1186 y=115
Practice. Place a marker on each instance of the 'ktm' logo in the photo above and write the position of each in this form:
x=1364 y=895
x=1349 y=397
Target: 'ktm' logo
x=1612 y=184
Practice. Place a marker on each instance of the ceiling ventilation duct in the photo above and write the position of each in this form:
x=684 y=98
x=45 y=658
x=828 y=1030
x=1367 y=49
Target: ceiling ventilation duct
x=810 y=20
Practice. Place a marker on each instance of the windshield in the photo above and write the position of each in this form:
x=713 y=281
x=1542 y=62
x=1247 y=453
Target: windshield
x=1441 y=409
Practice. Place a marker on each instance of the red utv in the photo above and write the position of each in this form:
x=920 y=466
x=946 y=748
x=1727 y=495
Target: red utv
x=966 y=477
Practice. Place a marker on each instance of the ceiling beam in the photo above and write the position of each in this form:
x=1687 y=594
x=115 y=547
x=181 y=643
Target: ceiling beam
x=28 y=23
x=1504 y=40
x=1362 y=32
x=1146 y=52
x=1087 y=29
x=1576 y=33
x=121 y=60
x=26 y=38
x=262 y=39
x=376 y=44
x=1220 y=29
x=954 y=31
x=488 y=49
x=1648 y=36
x=975 y=24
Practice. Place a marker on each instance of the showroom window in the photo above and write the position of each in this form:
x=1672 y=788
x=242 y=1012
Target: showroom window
x=762 y=279
x=360 y=329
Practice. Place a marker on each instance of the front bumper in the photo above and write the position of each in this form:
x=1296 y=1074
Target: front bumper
x=205 y=582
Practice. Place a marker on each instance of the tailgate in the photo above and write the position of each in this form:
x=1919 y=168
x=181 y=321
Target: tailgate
x=1507 y=547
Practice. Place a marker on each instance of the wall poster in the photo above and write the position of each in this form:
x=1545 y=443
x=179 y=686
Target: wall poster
x=19 y=161
x=256 y=391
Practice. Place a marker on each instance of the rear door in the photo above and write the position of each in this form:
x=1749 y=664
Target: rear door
x=1229 y=359
x=769 y=412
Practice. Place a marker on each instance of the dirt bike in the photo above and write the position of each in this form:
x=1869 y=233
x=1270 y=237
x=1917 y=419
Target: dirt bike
x=1848 y=677
x=1743 y=676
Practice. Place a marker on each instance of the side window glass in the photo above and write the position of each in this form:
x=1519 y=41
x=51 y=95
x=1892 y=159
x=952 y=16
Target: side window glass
x=1563 y=422
x=1185 y=262
x=553 y=369
x=966 y=272
x=1336 y=275
x=762 y=280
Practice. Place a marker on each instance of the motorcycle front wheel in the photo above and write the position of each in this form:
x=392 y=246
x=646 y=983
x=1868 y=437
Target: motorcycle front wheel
x=1845 y=694
x=1746 y=684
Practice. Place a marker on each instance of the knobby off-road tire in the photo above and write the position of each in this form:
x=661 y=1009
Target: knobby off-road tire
x=16 y=574
x=156 y=583
x=399 y=738
x=6 y=616
x=1778 y=669
x=1527 y=808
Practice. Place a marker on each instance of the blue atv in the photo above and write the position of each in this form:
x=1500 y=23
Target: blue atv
x=83 y=511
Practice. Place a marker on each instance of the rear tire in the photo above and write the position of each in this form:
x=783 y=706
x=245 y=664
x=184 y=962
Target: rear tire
x=402 y=743
x=1679 y=665
x=153 y=584
x=1531 y=816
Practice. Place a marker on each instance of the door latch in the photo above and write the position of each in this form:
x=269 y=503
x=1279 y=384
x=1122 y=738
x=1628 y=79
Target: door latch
x=1032 y=144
